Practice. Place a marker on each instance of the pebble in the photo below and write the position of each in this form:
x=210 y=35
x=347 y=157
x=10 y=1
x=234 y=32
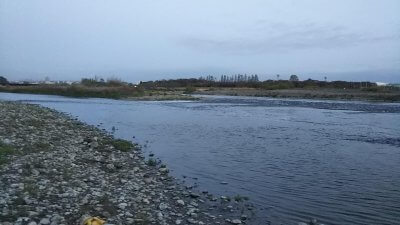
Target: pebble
x=191 y=221
x=163 y=206
x=180 y=202
x=194 y=195
x=44 y=221
x=122 y=205
x=236 y=221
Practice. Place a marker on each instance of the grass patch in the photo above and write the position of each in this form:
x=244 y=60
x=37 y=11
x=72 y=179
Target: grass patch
x=189 y=90
x=122 y=145
x=78 y=90
x=5 y=150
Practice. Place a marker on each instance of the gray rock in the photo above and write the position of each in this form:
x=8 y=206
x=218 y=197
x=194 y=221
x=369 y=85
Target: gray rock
x=194 y=195
x=163 y=206
x=236 y=221
x=44 y=221
x=35 y=172
x=313 y=222
x=94 y=144
x=122 y=205
x=110 y=166
x=130 y=221
x=180 y=202
x=163 y=170
x=191 y=221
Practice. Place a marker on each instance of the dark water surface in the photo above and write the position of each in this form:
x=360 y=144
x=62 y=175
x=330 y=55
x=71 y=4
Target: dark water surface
x=296 y=159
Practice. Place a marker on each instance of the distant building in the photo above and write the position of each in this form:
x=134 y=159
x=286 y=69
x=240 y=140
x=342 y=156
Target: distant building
x=381 y=84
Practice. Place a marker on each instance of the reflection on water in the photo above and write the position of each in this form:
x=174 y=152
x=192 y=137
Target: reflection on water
x=296 y=159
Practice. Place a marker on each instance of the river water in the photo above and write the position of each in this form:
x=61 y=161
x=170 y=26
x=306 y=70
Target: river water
x=335 y=161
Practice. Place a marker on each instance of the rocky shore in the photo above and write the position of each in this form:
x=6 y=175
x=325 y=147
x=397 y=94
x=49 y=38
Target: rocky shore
x=55 y=170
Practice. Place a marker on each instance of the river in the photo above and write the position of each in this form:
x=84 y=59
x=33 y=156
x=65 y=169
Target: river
x=335 y=161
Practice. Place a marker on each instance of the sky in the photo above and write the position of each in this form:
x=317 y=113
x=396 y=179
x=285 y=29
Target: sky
x=139 y=40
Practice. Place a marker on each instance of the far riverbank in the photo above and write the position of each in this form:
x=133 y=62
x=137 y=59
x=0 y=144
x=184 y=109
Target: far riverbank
x=135 y=93
x=326 y=94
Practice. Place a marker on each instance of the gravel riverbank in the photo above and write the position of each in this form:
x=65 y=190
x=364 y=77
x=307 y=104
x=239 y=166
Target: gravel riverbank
x=55 y=170
x=326 y=94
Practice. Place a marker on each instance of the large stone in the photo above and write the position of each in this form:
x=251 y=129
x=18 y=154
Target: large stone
x=94 y=144
x=122 y=205
x=44 y=221
x=180 y=202
x=236 y=221
x=163 y=170
x=163 y=206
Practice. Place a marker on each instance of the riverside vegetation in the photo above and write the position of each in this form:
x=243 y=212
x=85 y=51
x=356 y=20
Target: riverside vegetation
x=55 y=170
x=242 y=85
x=180 y=89
x=128 y=92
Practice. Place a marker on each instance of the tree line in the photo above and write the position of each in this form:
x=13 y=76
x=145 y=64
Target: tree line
x=232 y=79
x=253 y=82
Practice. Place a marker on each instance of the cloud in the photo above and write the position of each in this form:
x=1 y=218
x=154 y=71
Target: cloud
x=280 y=37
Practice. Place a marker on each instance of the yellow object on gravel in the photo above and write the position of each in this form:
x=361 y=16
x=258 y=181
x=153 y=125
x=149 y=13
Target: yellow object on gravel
x=93 y=221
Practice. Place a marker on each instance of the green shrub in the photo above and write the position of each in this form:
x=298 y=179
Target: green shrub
x=189 y=90
x=122 y=145
x=5 y=150
x=151 y=162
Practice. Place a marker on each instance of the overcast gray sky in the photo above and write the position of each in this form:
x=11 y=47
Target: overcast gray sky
x=161 y=39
